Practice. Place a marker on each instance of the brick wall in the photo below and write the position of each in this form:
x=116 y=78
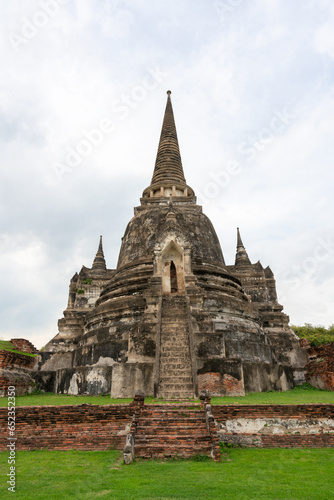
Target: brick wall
x=228 y=412
x=85 y=427
x=94 y=427
x=276 y=426
x=320 y=369
x=24 y=345
x=10 y=360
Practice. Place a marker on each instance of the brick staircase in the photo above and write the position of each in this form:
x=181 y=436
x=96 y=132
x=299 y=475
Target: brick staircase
x=176 y=381
x=166 y=431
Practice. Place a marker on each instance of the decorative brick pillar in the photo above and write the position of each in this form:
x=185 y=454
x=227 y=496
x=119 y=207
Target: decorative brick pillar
x=138 y=400
x=205 y=398
x=129 y=448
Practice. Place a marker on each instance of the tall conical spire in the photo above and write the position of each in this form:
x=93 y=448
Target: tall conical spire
x=168 y=171
x=241 y=257
x=168 y=164
x=99 y=263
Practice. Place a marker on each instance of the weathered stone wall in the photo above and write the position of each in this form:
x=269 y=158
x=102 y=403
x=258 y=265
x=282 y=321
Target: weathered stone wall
x=217 y=384
x=141 y=236
x=275 y=426
x=230 y=341
x=20 y=378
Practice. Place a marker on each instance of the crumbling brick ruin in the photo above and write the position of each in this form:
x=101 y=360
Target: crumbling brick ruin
x=320 y=368
x=16 y=367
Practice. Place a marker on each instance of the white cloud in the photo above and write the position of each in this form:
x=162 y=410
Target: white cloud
x=228 y=76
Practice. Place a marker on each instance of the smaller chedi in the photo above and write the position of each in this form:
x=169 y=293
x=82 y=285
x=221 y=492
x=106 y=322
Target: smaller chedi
x=172 y=318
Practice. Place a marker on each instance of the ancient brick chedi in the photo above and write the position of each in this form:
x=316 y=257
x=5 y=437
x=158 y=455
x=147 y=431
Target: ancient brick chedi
x=172 y=318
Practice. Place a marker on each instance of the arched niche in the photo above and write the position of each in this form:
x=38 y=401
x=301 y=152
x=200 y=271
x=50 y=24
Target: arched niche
x=172 y=268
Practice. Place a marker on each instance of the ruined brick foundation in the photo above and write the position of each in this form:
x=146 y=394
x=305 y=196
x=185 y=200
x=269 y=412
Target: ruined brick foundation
x=94 y=427
x=16 y=368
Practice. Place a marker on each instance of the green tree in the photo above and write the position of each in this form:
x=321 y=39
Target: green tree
x=316 y=335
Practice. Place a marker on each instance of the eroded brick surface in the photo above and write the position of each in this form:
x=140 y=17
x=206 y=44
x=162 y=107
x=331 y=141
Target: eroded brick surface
x=169 y=429
x=320 y=369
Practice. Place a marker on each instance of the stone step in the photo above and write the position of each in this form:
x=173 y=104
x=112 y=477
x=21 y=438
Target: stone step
x=165 y=364
x=185 y=416
x=181 y=382
x=177 y=425
x=174 y=359
x=174 y=312
x=175 y=363
x=166 y=439
x=175 y=349
x=176 y=366
x=174 y=298
x=172 y=434
x=170 y=425
x=171 y=314
x=171 y=337
x=192 y=410
x=175 y=343
x=176 y=380
x=176 y=393
x=172 y=430
x=174 y=328
x=172 y=341
x=173 y=408
x=172 y=389
x=182 y=364
x=166 y=451
x=173 y=304
x=165 y=371
x=183 y=360
x=174 y=334
x=170 y=309
x=179 y=321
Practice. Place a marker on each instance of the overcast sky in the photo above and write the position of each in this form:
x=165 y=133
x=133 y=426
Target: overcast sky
x=82 y=96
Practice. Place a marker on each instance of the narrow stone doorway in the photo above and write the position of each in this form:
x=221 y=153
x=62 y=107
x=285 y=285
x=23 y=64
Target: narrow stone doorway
x=173 y=278
x=172 y=270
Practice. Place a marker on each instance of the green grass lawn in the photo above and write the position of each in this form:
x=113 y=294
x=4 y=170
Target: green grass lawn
x=299 y=395
x=242 y=474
